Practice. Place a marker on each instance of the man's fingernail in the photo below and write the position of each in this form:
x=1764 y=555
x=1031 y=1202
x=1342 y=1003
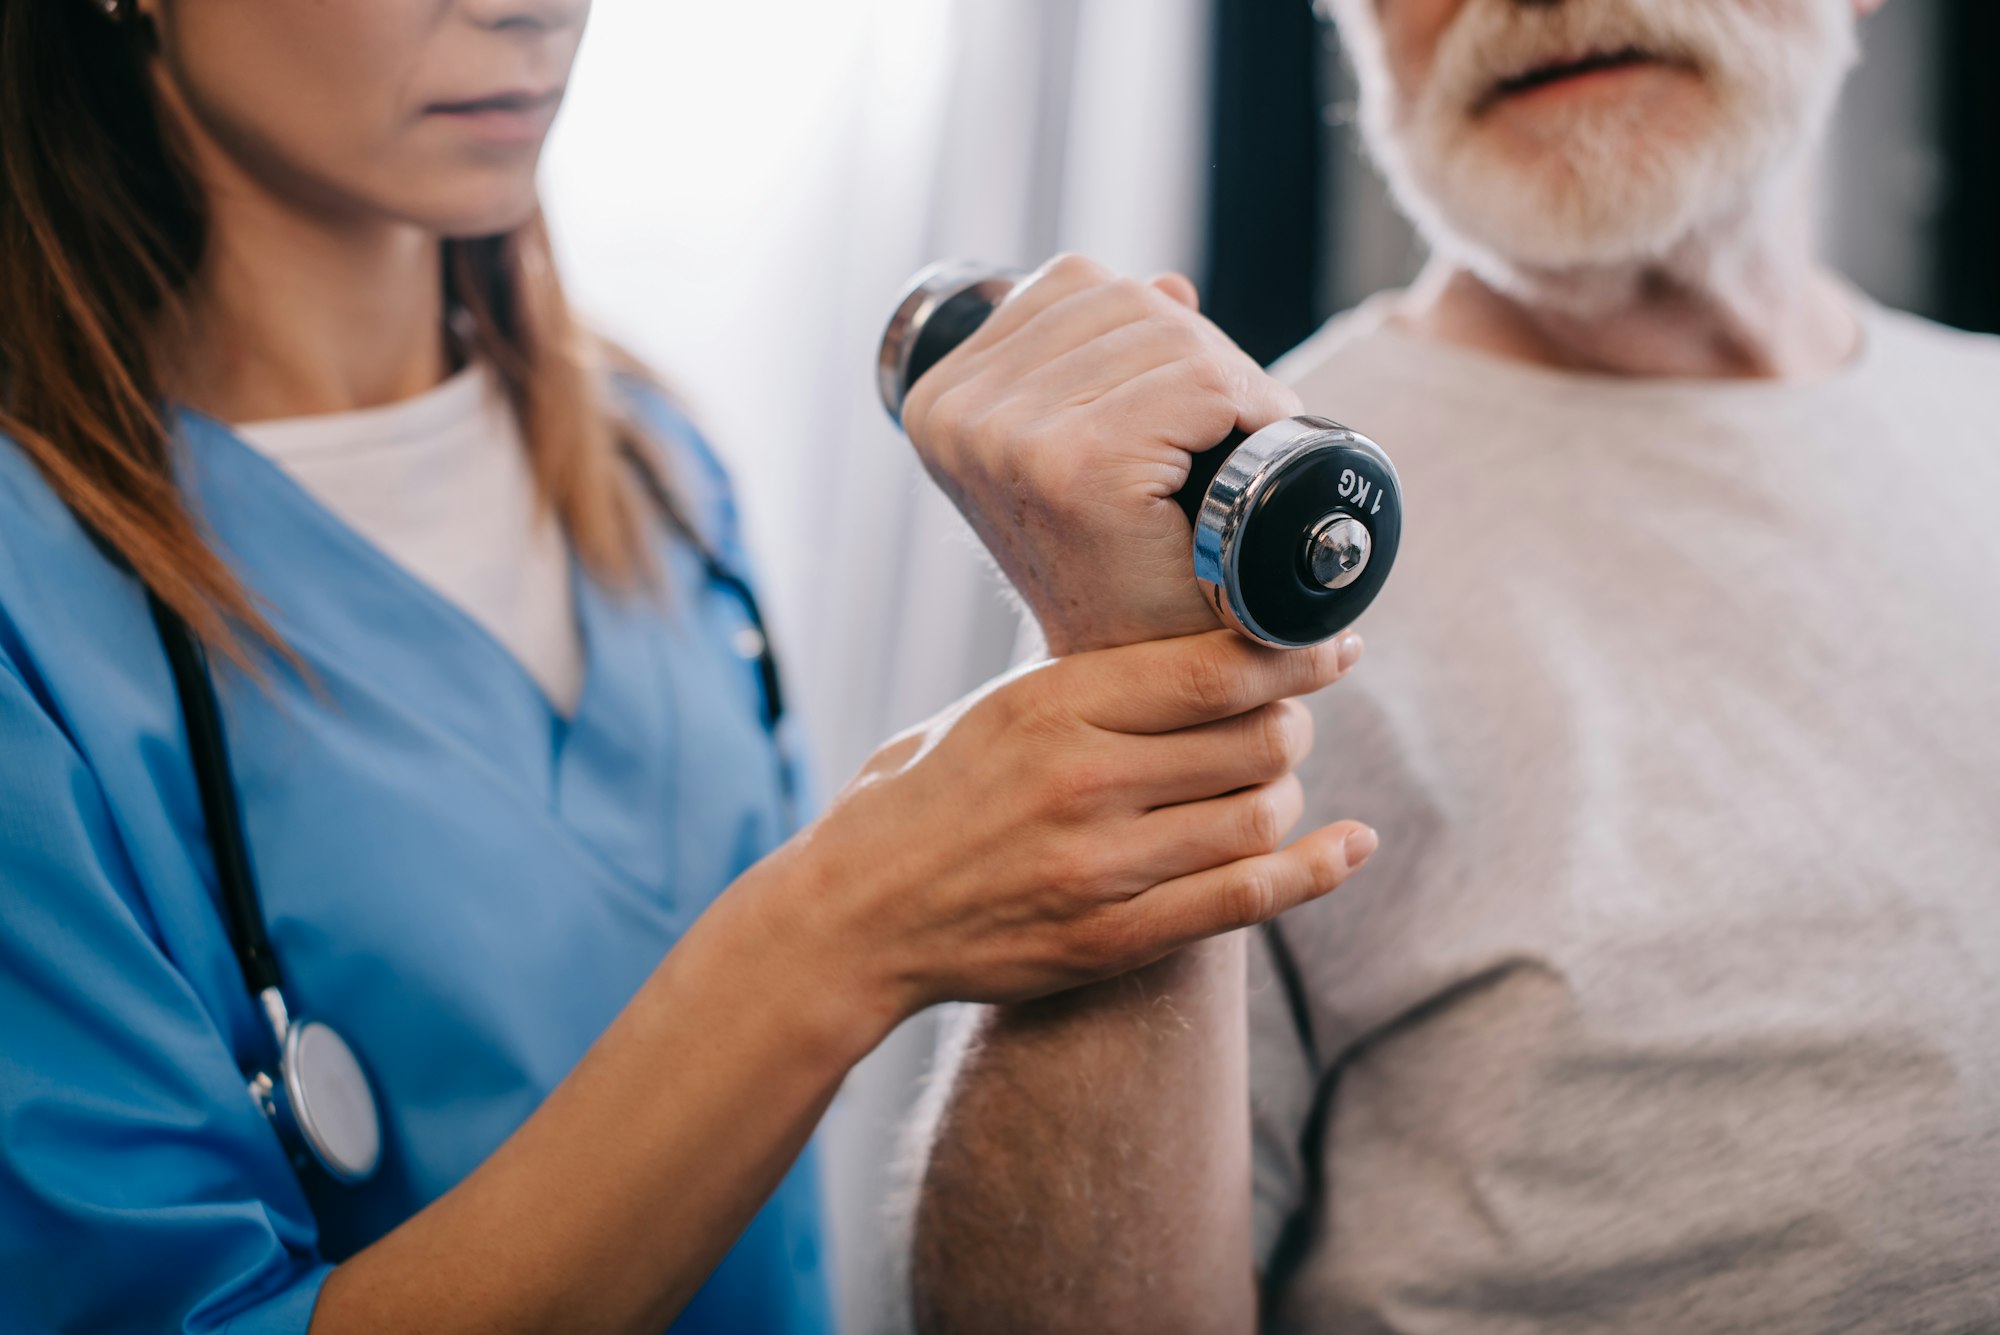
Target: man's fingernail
x=1360 y=843
x=1348 y=652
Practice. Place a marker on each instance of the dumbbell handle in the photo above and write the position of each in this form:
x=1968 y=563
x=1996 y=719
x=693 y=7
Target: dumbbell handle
x=1202 y=472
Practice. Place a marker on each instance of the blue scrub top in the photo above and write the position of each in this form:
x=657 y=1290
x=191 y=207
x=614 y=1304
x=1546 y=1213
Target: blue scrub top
x=465 y=884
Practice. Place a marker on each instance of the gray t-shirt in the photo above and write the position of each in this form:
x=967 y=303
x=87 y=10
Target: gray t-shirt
x=1672 y=1000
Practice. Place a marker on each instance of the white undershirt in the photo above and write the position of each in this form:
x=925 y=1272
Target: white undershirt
x=441 y=484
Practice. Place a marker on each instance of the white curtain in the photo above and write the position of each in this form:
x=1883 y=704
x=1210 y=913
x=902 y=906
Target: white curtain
x=738 y=192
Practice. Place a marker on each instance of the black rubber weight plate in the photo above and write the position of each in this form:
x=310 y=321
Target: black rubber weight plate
x=1278 y=590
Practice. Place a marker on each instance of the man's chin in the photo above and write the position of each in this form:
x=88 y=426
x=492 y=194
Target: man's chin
x=1532 y=225
x=1598 y=207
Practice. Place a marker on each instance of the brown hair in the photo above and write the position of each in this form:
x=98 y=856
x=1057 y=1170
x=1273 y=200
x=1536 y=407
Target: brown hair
x=101 y=229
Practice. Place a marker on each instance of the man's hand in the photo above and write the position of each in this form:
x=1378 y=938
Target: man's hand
x=1063 y=428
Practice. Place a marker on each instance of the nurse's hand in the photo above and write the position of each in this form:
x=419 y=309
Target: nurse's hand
x=1062 y=429
x=1072 y=822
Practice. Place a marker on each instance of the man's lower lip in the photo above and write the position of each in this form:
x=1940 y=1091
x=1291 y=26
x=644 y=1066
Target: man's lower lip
x=1572 y=80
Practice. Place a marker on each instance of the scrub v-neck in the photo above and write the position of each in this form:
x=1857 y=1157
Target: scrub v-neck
x=583 y=768
x=443 y=484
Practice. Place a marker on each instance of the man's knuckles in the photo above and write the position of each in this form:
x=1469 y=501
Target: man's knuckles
x=1070 y=271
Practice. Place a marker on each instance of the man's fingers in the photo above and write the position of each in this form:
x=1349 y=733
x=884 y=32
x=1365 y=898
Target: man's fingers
x=1265 y=400
x=1077 y=323
x=1061 y=329
x=1253 y=890
x=1194 y=679
x=1227 y=374
x=1108 y=362
x=1062 y=277
x=1180 y=287
x=1171 y=396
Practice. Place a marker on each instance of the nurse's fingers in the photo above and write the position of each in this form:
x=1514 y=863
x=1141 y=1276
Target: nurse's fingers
x=1194 y=837
x=1167 y=770
x=1166 y=685
x=1251 y=891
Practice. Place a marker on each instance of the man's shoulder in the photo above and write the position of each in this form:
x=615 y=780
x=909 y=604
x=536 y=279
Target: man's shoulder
x=1901 y=338
x=1348 y=338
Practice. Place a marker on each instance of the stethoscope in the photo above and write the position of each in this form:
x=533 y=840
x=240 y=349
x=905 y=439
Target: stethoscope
x=318 y=1098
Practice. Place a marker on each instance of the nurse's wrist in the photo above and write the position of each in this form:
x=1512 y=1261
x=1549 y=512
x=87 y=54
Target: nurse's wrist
x=819 y=981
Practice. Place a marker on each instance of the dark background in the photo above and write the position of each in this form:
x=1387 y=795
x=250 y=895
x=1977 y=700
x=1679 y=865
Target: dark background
x=1911 y=211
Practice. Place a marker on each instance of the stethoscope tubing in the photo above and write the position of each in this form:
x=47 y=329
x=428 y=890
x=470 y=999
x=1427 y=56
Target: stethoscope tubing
x=215 y=783
x=242 y=907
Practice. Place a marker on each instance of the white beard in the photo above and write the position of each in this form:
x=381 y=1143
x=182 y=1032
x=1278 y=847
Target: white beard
x=1607 y=195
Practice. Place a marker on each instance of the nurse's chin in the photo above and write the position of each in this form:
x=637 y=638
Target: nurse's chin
x=467 y=213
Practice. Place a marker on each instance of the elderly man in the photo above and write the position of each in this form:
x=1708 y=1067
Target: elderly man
x=1671 y=1001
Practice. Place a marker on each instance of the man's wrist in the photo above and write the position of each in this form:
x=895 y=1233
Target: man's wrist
x=1161 y=992
x=1061 y=641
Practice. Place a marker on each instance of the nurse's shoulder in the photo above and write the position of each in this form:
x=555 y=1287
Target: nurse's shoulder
x=190 y=1207
x=30 y=511
x=63 y=601
x=673 y=441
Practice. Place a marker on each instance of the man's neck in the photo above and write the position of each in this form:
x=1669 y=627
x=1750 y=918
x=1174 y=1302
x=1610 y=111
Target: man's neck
x=1748 y=303
x=298 y=311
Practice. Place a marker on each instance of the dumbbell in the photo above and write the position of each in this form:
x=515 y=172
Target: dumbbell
x=1295 y=526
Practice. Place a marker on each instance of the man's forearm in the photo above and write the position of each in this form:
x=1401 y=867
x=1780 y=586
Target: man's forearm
x=1090 y=1169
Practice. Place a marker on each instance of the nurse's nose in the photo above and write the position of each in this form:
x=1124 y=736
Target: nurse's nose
x=528 y=16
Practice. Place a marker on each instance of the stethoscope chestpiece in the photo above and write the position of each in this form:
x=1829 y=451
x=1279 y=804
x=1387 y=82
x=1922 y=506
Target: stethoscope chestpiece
x=1295 y=527
x=321 y=1104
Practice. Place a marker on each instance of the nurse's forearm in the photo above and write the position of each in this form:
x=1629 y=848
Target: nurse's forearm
x=1090 y=1171
x=612 y=1203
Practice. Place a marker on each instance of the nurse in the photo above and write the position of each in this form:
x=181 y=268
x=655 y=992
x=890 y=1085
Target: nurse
x=285 y=373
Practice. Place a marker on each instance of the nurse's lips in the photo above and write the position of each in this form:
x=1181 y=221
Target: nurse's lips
x=517 y=116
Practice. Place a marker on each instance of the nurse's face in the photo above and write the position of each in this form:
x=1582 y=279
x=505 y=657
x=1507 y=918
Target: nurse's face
x=429 y=112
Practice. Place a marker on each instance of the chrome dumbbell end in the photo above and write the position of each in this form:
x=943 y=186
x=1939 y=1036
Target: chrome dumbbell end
x=939 y=310
x=1297 y=531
